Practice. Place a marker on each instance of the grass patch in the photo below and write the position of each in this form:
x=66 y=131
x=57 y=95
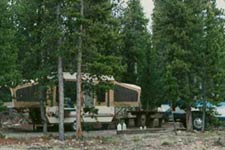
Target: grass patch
x=166 y=143
x=136 y=139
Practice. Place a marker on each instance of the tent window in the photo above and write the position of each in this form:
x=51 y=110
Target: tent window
x=28 y=94
x=100 y=95
x=122 y=94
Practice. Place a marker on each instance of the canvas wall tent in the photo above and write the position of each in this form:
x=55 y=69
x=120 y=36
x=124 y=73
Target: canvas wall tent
x=27 y=96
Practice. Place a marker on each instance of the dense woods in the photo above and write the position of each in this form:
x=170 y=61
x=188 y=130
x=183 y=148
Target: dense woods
x=184 y=34
x=181 y=58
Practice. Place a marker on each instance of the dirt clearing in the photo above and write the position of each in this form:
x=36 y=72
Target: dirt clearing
x=109 y=140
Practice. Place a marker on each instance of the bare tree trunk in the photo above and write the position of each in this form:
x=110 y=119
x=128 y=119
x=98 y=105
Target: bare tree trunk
x=174 y=124
x=61 y=99
x=41 y=88
x=204 y=107
x=43 y=117
x=60 y=83
x=174 y=121
x=203 y=115
x=188 y=111
x=79 y=133
x=43 y=112
x=189 y=119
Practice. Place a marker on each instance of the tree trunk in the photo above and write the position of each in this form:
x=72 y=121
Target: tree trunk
x=203 y=115
x=204 y=86
x=204 y=104
x=60 y=83
x=174 y=121
x=42 y=88
x=61 y=99
x=43 y=112
x=189 y=119
x=79 y=133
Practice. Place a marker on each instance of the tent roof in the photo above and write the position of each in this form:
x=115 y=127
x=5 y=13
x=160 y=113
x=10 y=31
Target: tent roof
x=67 y=76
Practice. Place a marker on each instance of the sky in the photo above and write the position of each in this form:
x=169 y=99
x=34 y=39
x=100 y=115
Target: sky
x=148 y=6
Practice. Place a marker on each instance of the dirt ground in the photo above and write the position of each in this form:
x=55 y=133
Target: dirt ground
x=109 y=140
x=17 y=134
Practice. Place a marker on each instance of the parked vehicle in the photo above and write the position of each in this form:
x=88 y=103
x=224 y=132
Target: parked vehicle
x=213 y=111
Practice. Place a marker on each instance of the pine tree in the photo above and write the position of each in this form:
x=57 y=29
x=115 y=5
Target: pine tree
x=99 y=53
x=9 y=73
x=150 y=80
x=38 y=35
x=210 y=72
x=102 y=46
x=176 y=26
x=134 y=37
x=188 y=36
x=138 y=55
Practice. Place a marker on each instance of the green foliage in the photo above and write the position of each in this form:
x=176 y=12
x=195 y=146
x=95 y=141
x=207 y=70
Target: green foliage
x=185 y=48
x=210 y=71
x=101 y=47
x=2 y=107
x=150 y=79
x=138 y=55
x=40 y=30
x=135 y=38
x=9 y=73
x=213 y=121
x=91 y=111
x=36 y=38
x=183 y=58
x=5 y=96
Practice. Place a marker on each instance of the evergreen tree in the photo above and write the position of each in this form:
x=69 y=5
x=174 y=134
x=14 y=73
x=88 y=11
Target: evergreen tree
x=134 y=37
x=187 y=37
x=38 y=35
x=99 y=29
x=102 y=40
x=210 y=73
x=9 y=73
x=150 y=80
x=138 y=55
x=176 y=27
